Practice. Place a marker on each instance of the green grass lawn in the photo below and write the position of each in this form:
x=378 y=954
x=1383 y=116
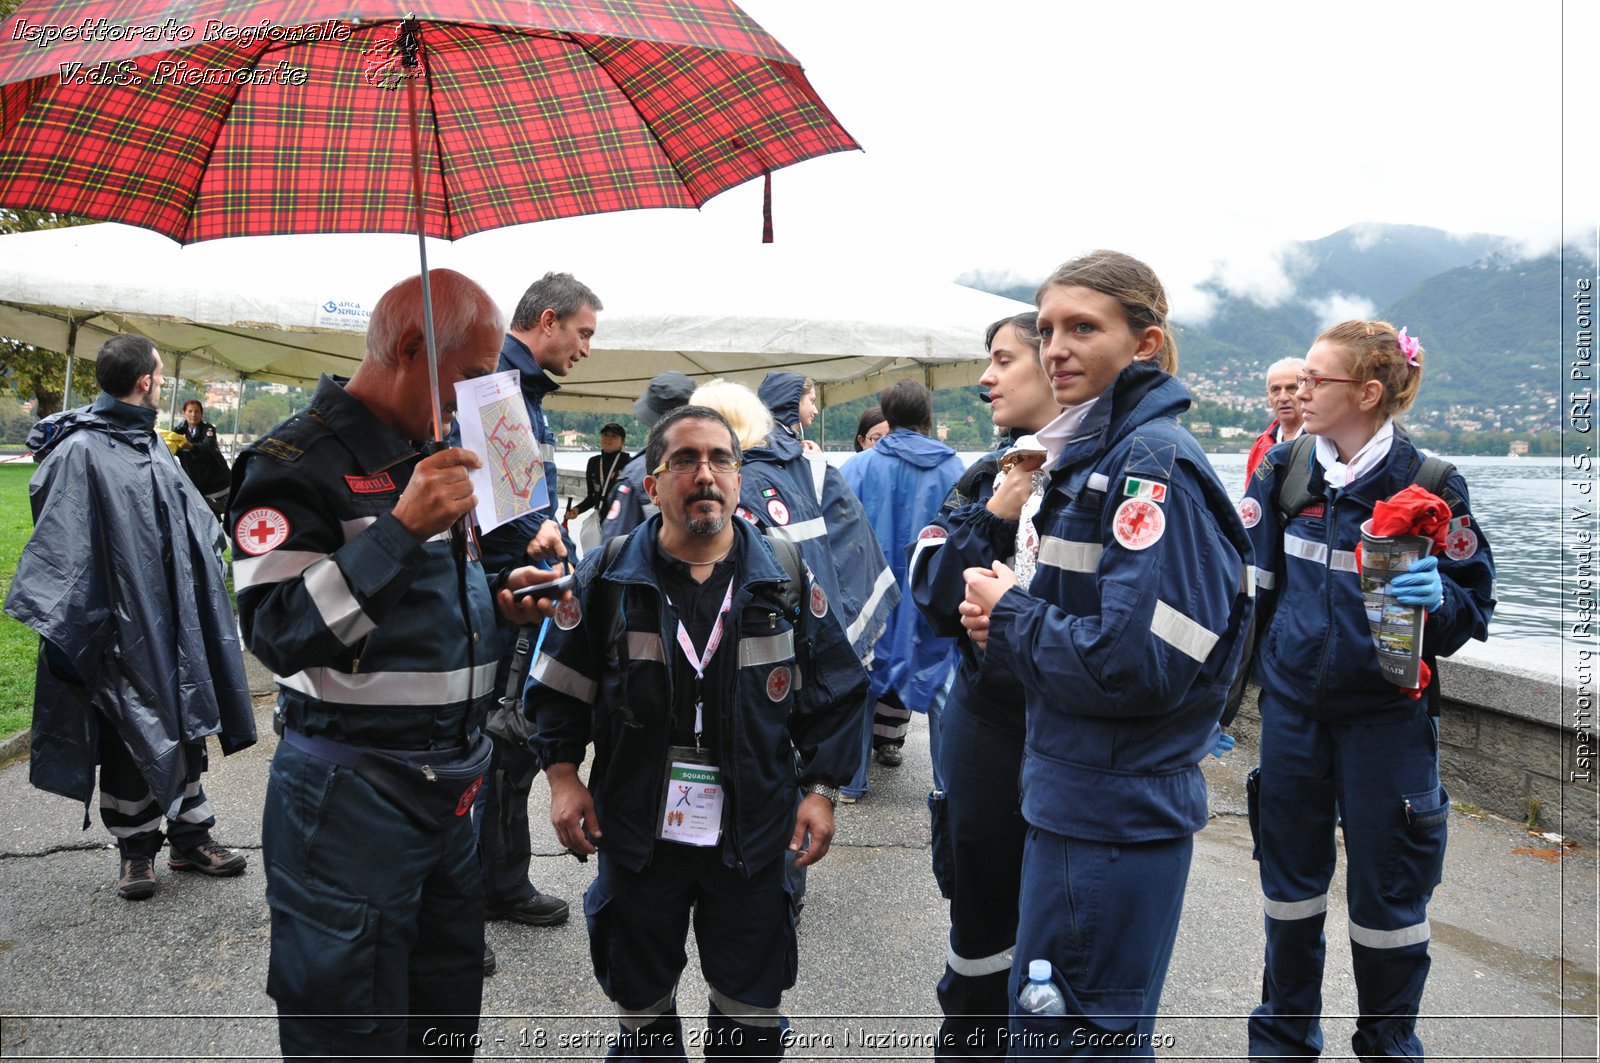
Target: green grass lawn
x=18 y=646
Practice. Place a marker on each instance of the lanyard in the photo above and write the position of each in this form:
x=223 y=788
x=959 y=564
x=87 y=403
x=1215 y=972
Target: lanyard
x=699 y=661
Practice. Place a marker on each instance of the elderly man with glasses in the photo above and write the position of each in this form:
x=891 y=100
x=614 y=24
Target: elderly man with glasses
x=717 y=685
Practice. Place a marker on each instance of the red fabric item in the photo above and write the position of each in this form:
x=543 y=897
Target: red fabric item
x=1258 y=450
x=292 y=116
x=1413 y=512
x=1424 y=677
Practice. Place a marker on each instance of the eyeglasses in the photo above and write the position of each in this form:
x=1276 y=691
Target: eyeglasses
x=682 y=463
x=1313 y=381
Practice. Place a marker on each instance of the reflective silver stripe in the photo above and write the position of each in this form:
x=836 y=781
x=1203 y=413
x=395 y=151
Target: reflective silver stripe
x=635 y=1020
x=879 y=589
x=1000 y=961
x=1189 y=637
x=1295 y=909
x=547 y=451
x=768 y=649
x=1098 y=482
x=1344 y=561
x=645 y=646
x=1069 y=555
x=353 y=528
x=338 y=607
x=198 y=814
x=1265 y=578
x=391 y=688
x=921 y=546
x=1305 y=549
x=137 y=828
x=127 y=808
x=557 y=676
x=274 y=567
x=1247 y=581
x=800 y=532
x=747 y=1014
x=819 y=474
x=1415 y=934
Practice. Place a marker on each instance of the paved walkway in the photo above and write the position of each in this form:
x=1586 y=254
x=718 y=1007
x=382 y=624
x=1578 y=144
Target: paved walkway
x=85 y=975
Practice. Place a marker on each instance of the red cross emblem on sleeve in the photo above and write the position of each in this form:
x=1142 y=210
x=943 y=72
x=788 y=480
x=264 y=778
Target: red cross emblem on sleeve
x=260 y=530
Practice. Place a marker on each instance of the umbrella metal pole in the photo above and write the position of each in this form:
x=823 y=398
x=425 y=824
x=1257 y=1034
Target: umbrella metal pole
x=410 y=49
x=72 y=349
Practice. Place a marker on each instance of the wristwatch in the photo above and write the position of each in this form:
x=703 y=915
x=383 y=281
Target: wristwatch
x=830 y=792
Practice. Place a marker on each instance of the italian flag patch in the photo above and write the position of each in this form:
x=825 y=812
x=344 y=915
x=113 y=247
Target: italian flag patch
x=1136 y=488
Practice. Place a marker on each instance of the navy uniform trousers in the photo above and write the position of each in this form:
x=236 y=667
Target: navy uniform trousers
x=1382 y=781
x=978 y=838
x=1106 y=917
x=743 y=927
x=369 y=913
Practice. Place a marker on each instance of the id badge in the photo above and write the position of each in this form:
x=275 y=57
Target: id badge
x=691 y=804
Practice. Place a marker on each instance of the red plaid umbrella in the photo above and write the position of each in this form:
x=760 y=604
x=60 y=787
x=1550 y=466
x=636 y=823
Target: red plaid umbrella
x=210 y=119
x=214 y=118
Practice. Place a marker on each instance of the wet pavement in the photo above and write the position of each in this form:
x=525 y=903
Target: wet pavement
x=84 y=974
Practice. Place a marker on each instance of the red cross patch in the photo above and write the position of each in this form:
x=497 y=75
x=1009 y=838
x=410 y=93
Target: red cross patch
x=1138 y=523
x=740 y=511
x=1461 y=544
x=778 y=683
x=260 y=530
x=616 y=507
x=778 y=512
x=1250 y=513
x=569 y=614
x=819 y=600
x=933 y=531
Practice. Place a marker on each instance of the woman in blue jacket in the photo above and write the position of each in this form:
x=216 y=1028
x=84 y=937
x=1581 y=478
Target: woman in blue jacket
x=978 y=828
x=1339 y=742
x=1125 y=644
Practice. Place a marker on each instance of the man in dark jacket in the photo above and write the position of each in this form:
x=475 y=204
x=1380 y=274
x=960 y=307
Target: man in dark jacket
x=705 y=735
x=357 y=591
x=550 y=333
x=629 y=506
x=600 y=475
x=134 y=671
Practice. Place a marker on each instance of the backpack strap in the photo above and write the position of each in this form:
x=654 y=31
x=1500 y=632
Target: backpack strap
x=605 y=604
x=1294 y=483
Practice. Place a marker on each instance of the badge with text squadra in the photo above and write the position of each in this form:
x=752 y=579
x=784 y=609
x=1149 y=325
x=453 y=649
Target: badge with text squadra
x=691 y=799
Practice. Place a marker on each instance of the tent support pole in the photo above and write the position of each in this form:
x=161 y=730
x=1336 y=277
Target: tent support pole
x=72 y=350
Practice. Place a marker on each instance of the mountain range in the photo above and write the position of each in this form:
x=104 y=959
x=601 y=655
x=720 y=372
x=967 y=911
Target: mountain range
x=1488 y=315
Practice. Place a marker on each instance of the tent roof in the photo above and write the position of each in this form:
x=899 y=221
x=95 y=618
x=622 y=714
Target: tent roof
x=287 y=309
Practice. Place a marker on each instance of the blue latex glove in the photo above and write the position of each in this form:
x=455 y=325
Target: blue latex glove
x=1419 y=585
x=1225 y=743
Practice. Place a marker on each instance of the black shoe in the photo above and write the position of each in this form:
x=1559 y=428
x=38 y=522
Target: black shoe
x=489 y=962
x=138 y=878
x=208 y=858
x=890 y=756
x=539 y=910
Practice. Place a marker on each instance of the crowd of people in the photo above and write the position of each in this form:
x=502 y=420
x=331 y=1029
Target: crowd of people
x=1075 y=614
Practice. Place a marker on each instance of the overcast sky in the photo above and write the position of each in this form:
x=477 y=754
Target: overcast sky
x=1011 y=134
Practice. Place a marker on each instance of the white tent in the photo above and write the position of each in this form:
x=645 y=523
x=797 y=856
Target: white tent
x=285 y=309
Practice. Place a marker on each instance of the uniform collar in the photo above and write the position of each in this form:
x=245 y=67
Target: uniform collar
x=375 y=445
x=1342 y=474
x=754 y=563
x=514 y=354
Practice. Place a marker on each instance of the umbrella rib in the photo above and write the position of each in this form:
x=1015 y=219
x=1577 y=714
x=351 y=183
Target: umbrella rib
x=643 y=119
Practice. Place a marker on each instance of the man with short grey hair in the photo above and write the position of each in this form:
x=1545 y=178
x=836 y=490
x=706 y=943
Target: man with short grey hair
x=1283 y=395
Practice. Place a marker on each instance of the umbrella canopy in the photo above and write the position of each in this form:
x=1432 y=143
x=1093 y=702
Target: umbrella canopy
x=231 y=119
x=285 y=309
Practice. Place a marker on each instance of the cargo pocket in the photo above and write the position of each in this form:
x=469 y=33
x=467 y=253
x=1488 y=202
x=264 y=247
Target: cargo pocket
x=595 y=902
x=1107 y=1018
x=1417 y=862
x=1252 y=807
x=944 y=871
x=324 y=956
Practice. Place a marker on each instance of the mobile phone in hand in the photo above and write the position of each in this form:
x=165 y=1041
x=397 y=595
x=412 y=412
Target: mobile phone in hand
x=553 y=589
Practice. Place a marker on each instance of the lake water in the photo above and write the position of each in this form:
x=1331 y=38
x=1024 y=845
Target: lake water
x=1516 y=501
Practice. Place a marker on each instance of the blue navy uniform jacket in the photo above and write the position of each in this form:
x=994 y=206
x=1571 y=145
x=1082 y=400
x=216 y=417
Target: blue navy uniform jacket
x=791 y=716
x=901 y=482
x=628 y=506
x=506 y=546
x=1315 y=650
x=825 y=518
x=779 y=495
x=375 y=639
x=937 y=562
x=1125 y=653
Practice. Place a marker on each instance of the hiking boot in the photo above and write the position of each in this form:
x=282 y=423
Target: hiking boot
x=138 y=879
x=489 y=961
x=208 y=858
x=890 y=756
x=539 y=910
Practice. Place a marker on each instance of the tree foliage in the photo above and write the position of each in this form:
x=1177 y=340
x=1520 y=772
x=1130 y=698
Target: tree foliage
x=30 y=372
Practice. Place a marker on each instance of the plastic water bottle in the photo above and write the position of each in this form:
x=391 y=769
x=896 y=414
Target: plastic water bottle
x=1039 y=994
